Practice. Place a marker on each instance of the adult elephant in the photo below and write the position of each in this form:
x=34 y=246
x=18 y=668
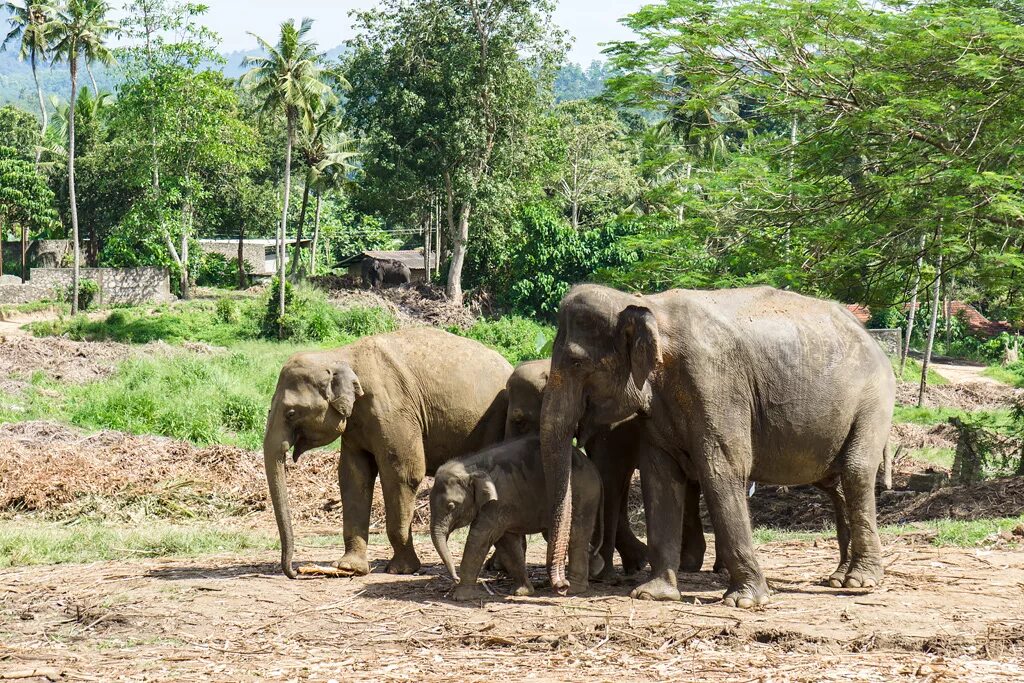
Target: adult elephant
x=404 y=403
x=737 y=385
x=378 y=272
x=616 y=451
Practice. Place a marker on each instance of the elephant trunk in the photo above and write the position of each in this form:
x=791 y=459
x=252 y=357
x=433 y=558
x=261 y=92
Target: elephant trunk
x=275 y=450
x=439 y=531
x=560 y=416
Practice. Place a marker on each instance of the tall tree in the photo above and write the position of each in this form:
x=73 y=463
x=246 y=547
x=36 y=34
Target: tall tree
x=78 y=28
x=29 y=27
x=25 y=200
x=442 y=90
x=287 y=80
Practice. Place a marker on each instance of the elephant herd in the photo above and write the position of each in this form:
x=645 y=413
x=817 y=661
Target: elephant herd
x=702 y=391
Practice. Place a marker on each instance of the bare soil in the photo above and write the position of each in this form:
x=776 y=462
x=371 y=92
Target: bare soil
x=971 y=395
x=941 y=615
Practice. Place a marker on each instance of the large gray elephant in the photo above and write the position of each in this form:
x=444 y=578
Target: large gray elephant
x=403 y=403
x=616 y=452
x=499 y=494
x=379 y=272
x=736 y=385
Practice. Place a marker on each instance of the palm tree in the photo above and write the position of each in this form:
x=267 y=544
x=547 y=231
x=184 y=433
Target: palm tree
x=329 y=175
x=79 y=28
x=287 y=79
x=323 y=148
x=29 y=24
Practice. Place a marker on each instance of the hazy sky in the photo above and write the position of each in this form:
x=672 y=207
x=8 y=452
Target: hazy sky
x=590 y=21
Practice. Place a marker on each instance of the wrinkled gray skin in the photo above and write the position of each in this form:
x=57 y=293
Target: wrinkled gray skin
x=379 y=272
x=615 y=451
x=737 y=385
x=405 y=403
x=499 y=494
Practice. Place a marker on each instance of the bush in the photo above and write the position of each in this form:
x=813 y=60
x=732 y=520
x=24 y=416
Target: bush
x=310 y=317
x=87 y=291
x=227 y=311
x=517 y=339
x=216 y=270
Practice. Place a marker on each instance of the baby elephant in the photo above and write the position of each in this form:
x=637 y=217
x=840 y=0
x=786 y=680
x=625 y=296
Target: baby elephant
x=500 y=494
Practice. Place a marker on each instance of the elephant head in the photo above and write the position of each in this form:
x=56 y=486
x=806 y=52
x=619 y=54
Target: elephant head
x=456 y=498
x=607 y=349
x=315 y=396
x=525 y=389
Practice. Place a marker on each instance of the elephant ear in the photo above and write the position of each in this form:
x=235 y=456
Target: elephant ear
x=344 y=389
x=483 y=489
x=638 y=337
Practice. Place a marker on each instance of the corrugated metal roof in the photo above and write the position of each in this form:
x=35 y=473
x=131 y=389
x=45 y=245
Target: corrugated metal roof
x=410 y=257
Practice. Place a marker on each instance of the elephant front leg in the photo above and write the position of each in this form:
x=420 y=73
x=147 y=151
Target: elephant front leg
x=357 y=472
x=691 y=558
x=399 y=485
x=664 y=501
x=483 y=533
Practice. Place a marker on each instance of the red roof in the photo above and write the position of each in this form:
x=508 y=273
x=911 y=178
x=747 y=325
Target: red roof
x=977 y=323
x=861 y=313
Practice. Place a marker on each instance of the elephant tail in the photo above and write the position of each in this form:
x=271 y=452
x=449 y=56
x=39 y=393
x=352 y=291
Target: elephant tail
x=599 y=527
x=887 y=458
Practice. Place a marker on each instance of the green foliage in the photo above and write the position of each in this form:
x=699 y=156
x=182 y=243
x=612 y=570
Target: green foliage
x=19 y=131
x=517 y=339
x=87 y=291
x=310 y=317
x=912 y=372
x=227 y=311
x=1010 y=374
x=216 y=270
x=25 y=200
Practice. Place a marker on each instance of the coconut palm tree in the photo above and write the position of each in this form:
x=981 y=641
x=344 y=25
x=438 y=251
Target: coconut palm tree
x=78 y=29
x=323 y=148
x=29 y=25
x=329 y=175
x=289 y=80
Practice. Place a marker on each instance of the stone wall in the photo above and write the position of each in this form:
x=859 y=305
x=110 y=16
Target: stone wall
x=254 y=254
x=16 y=294
x=891 y=340
x=116 y=285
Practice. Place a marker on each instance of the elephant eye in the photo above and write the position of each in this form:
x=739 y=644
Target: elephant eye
x=451 y=505
x=290 y=414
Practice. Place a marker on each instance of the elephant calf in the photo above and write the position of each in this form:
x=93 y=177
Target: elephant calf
x=499 y=494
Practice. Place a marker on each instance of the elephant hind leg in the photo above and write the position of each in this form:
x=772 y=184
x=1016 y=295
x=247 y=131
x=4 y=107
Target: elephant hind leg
x=511 y=550
x=691 y=557
x=861 y=458
x=833 y=489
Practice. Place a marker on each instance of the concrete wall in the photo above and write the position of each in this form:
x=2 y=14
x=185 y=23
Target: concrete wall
x=891 y=340
x=116 y=285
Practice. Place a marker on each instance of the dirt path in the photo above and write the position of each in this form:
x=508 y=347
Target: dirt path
x=964 y=374
x=942 y=614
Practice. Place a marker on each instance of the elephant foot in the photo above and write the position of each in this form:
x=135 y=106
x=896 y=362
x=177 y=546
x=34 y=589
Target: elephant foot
x=465 y=593
x=607 y=573
x=493 y=564
x=838 y=577
x=578 y=586
x=523 y=590
x=354 y=564
x=747 y=596
x=404 y=563
x=720 y=567
x=658 y=588
x=597 y=565
x=862 y=577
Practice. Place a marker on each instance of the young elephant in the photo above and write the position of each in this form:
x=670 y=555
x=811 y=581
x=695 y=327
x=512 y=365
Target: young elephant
x=616 y=452
x=499 y=494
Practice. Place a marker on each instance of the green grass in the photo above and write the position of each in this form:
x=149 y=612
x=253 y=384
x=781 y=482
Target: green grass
x=928 y=415
x=34 y=307
x=940 y=457
x=1012 y=374
x=912 y=372
x=34 y=543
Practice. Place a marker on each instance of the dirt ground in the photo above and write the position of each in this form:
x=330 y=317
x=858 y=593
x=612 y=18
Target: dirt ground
x=941 y=615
